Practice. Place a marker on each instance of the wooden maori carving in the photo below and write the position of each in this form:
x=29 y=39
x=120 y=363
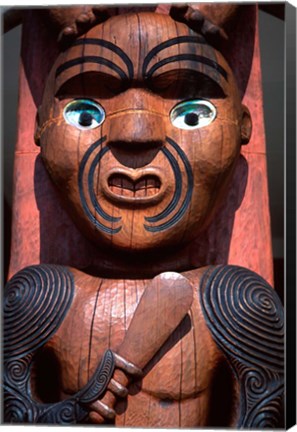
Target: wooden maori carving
x=140 y=129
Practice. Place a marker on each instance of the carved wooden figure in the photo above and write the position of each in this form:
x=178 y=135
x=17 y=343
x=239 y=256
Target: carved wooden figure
x=140 y=129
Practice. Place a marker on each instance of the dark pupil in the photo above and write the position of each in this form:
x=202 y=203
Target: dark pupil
x=85 y=119
x=192 y=119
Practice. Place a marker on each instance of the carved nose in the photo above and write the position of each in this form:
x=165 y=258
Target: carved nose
x=136 y=130
x=136 y=137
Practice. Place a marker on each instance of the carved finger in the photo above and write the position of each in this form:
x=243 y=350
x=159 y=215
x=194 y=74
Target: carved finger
x=85 y=17
x=211 y=29
x=178 y=11
x=195 y=16
x=103 y=410
x=117 y=388
x=197 y=21
x=96 y=418
x=127 y=366
x=192 y=17
x=186 y=12
x=80 y=20
x=68 y=32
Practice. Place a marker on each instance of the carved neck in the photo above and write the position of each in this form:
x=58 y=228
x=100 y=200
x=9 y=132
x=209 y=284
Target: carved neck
x=143 y=265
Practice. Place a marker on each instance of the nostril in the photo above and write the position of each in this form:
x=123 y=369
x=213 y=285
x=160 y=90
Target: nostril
x=134 y=155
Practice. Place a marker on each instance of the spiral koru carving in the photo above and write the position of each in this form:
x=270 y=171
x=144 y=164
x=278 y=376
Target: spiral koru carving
x=245 y=317
x=17 y=373
x=36 y=302
x=17 y=407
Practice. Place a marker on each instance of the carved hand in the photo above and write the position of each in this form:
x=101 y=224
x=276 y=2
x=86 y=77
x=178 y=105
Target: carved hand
x=102 y=410
x=209 y=20
x=71 y=22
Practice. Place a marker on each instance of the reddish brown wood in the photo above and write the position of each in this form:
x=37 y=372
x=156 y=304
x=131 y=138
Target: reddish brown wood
x=43 y=221
x=114 y=180
x=146 y=124
x=168 y=376
x=163 y=305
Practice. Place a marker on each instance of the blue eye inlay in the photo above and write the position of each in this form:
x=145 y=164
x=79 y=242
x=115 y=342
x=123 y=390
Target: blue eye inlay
x=193 y=114
x=84 y=114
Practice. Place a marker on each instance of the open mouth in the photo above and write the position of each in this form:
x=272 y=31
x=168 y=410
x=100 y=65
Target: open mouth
x=126 y=185
x=146 y=186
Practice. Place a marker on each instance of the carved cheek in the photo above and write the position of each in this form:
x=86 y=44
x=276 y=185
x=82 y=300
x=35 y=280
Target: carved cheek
x=212 y=152
x=60 y=154
x=63 y=147
x=217 y=148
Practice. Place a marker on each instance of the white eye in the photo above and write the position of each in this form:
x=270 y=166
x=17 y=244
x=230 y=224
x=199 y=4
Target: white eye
x=193 y=114
x=84 y=114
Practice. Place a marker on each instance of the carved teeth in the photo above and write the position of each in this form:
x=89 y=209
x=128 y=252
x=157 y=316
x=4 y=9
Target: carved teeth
x=121 y=184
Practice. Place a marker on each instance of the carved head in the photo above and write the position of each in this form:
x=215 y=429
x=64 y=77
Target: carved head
x=140 y=128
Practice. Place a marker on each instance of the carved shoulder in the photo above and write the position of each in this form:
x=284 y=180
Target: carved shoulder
x=37 y=300
x=245 y=317
x=35 y=303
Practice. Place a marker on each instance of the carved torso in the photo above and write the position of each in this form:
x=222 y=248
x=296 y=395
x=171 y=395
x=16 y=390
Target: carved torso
x=180 y=379
x=175 y=391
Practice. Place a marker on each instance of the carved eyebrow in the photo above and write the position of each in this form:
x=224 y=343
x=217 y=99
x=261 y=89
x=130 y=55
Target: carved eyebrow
x=100 y=60
x=91 y=59
x=192 y=57
x=174 y=41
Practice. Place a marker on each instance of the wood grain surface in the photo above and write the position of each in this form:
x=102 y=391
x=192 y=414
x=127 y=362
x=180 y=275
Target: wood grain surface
x=151 y=162
x=46 y=219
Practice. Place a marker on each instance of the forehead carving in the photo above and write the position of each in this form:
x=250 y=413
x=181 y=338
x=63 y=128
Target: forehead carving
x=133 y=55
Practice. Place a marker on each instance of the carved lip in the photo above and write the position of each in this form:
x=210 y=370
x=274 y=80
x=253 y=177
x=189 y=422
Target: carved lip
x=137 y=186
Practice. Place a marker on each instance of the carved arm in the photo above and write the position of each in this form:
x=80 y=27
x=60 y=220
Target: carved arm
x=245 y=317
x=37 y=300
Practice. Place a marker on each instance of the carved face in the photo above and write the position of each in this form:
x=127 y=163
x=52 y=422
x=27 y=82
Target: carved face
x=140 y=128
